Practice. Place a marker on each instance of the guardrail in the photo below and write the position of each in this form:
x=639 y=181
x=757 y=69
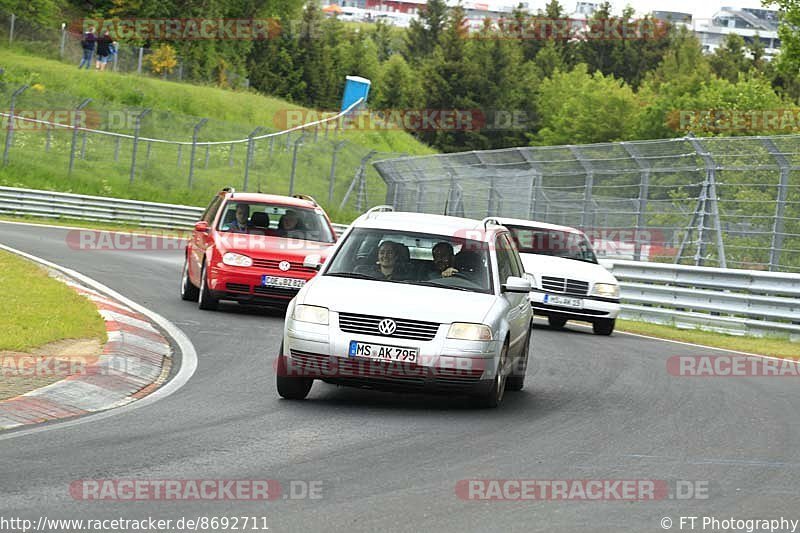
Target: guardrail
x=738 y=302
x=58 y=205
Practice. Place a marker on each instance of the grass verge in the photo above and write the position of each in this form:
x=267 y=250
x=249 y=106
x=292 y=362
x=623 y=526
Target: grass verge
x=39 y=309
x=756 y=345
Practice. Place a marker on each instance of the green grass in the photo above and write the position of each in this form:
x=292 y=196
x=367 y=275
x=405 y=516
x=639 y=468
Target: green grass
x=756 y=345
x=38 y=309
x=162 y=170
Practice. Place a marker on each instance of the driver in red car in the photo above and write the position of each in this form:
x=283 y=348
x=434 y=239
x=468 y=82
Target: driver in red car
x=242 y=223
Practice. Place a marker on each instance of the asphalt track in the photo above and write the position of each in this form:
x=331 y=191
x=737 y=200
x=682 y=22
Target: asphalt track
x=593 y=408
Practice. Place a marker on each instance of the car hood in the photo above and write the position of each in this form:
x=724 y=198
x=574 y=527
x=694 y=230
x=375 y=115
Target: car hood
x=548 y=265
x=260 y=246
x=396 y=300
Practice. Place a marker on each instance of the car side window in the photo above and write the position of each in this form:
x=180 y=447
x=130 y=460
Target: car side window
x=516 y=263
x=212 y=209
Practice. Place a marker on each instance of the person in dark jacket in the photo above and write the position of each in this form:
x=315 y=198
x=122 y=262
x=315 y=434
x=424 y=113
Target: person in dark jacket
x=104 y=46
x=87 y=44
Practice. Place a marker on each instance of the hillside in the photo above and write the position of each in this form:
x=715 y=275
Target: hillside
x=162 y=169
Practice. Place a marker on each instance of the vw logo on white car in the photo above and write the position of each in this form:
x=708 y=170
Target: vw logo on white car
x=387 y=326
x=284 y=265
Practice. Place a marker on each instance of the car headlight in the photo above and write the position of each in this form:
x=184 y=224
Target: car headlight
x=237 y=260
x=606 y=290
x=311 y=313
x=470 y=332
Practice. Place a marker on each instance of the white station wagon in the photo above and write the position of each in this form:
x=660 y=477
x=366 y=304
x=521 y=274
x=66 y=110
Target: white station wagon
x=569 y=283
x=412 y=302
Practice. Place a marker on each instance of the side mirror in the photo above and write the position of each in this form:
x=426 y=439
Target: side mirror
x=516 y=285
x=313 y=261
x=201 y=226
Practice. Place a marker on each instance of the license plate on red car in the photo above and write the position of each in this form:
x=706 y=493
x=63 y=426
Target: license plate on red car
x=287 y=283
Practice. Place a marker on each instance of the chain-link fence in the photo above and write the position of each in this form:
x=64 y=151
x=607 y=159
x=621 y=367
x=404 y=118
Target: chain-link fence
x=65 y=43
x=58 y=141
x=729 y=202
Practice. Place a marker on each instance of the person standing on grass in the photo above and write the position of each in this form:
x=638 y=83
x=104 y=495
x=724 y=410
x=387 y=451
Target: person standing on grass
x=87 y=44
x=104 y=45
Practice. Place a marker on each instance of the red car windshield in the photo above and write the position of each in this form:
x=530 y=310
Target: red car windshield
x=277 y=220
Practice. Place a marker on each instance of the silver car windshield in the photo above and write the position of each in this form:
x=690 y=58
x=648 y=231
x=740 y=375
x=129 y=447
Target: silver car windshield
x=414 y=258
x=567 y=244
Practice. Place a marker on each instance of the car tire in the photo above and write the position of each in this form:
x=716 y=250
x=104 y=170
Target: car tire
x=557 y=322
x=604 y=326
x=494 y=396
x=189 y=292
x=206 y=301
x=516 y=380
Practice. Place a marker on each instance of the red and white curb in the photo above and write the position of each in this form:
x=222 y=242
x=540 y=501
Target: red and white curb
x=131 y=372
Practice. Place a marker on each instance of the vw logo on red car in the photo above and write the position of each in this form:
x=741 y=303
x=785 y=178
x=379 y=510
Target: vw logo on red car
x=284 y=265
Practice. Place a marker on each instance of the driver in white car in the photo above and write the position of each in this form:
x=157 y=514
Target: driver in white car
x=443 y=258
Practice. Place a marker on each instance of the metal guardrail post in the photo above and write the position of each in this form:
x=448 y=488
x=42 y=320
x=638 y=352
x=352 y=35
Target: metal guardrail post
x=10 y=130
x=136 y=128
x=297 y=144
x=332 y=177
x=75 y=136
x=194 y=148
x=249 y=155
x=139 y=64
x=776 y=244
x=11 y=29
x=708 y=196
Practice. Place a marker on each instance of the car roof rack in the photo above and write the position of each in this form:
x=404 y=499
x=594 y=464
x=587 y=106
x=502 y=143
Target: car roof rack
x=306 y=197
x=490 y=220
x=379 y=209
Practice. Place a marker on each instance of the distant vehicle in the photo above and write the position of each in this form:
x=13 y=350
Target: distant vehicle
x=250 y=248
x=569 y=283
x=387 y=312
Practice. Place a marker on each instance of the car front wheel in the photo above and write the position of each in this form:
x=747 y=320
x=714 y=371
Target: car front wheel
x=604 y=326
x=188 y=291
x=206 y=300
x=494 y=396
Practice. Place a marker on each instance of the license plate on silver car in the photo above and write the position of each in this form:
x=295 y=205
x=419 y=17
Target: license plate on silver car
x=383 y=352
x=566 y=301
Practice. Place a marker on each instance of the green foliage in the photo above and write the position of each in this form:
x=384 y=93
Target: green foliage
x=577 y=107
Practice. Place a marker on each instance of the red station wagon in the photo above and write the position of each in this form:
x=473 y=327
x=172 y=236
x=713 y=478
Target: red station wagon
x=255 y=249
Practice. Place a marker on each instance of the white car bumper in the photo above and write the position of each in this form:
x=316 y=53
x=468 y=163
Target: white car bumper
x=590 y=308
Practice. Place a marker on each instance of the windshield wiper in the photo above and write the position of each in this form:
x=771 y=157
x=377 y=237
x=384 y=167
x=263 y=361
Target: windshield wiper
x=353 y=275
x=432 y=283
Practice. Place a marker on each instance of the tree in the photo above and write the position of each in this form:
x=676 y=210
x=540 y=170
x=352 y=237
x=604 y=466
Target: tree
x=425 y=31
x=729 y=59
x=396 y=85
x=577 y=107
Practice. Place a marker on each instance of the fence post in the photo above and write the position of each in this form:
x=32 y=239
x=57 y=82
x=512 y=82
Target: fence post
x=360 y=174
x=63 y=40
x=137 y=126
x=10 y=132
x=139 y=64
x=116 y=148
x=776 y=246
x=587 y=219
x=644 y=192
x=75 y=137
x=194 y=148
x=11 y=29
x=708 y=194
x=147 y=152
x=249 y=155
x=297 y=144
x=332 y=179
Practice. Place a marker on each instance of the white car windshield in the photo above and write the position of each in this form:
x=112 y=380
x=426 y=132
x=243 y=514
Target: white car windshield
x=414 y=258
x=567 y=244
